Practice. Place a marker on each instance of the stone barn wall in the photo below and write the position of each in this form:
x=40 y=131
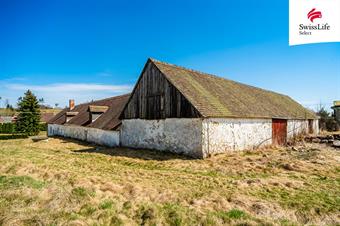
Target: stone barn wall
x=296 y=127
x=222 y=134
x=300 y=127
x=178 y=135
x=316 y=129
x=194 y=137
x=87 y=134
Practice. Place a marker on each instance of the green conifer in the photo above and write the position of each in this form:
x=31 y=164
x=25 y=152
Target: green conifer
x=29 y=114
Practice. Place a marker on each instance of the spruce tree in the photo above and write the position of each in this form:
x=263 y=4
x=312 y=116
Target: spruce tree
x=29 y=114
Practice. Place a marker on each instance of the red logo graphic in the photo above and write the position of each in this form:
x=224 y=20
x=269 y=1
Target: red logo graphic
x=314 y=15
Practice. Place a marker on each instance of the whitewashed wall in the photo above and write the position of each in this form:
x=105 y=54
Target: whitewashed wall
x=296 y=127
x=316 y=129
x=301 y=127
x=183 y=136
x=193 y=137
x=91 y=135
x=221 y=135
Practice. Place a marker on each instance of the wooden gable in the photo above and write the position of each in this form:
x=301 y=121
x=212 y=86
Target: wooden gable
x=154 y=97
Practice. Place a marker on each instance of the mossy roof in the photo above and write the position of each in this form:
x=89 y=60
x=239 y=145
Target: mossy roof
x=214 y=96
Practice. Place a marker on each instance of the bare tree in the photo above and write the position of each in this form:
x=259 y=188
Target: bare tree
x=6 y=103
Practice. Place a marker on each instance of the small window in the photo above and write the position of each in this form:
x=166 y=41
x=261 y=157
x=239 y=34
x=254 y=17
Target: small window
x=70 y=115
x=96 y=111
x=95 y=116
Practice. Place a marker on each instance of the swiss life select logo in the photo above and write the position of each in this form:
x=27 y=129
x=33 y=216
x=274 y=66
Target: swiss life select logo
x=314 y=15
x=314 y=21
x=308 y=29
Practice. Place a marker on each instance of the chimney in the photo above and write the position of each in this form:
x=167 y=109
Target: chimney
x=71 y=104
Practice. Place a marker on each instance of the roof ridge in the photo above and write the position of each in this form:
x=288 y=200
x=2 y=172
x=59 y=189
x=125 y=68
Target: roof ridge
x=214 y=76
x=187 y=69
x=108 y=98
x=114 y=97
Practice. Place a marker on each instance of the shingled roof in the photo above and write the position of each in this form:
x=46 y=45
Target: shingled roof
x=109 y=120
x=214 y=96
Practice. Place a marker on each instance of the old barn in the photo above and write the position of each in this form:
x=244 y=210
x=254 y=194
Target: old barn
x=175 y=109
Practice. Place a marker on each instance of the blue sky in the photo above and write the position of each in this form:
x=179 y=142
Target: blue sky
x=95 y=49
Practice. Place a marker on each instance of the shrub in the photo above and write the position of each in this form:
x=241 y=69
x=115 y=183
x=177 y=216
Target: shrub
x=327 y=121
x=11 y=127
x=7 y=128
x=43 y=127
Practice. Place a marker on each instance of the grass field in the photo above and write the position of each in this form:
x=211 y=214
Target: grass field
x=9 y=112
x=6 y=112
x=60 y=182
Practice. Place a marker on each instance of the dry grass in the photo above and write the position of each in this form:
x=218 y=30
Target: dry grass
x=9 y=112
x=59 y=182
x=6 y=112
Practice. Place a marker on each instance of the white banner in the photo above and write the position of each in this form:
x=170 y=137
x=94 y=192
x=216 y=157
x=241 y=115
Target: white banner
x=314 y=21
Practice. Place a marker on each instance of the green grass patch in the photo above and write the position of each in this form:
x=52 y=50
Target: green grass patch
x=233 y=214
x=106 y=204
x=173 y=214
x=87 y=210
x=81 y=192
x=116 y=221
x=14 y=182
x=303 y=199
x=236 y=214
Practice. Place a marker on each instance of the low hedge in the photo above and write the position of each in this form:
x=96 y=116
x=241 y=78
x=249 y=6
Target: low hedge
x=13 y=136
x=43 y=127
x=7 y=127
x=10 y=128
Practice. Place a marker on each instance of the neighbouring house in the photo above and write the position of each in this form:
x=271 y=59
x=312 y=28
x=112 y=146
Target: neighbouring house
x=46 y=116
x=175 y=109
x=95 y=122
x=6 y=119
x=336 y=109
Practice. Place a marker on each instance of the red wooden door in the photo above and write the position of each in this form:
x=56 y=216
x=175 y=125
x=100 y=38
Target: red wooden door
x=279 y=131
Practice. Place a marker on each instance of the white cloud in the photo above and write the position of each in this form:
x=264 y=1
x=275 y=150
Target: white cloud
x=69 y=87
x=61 y=92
